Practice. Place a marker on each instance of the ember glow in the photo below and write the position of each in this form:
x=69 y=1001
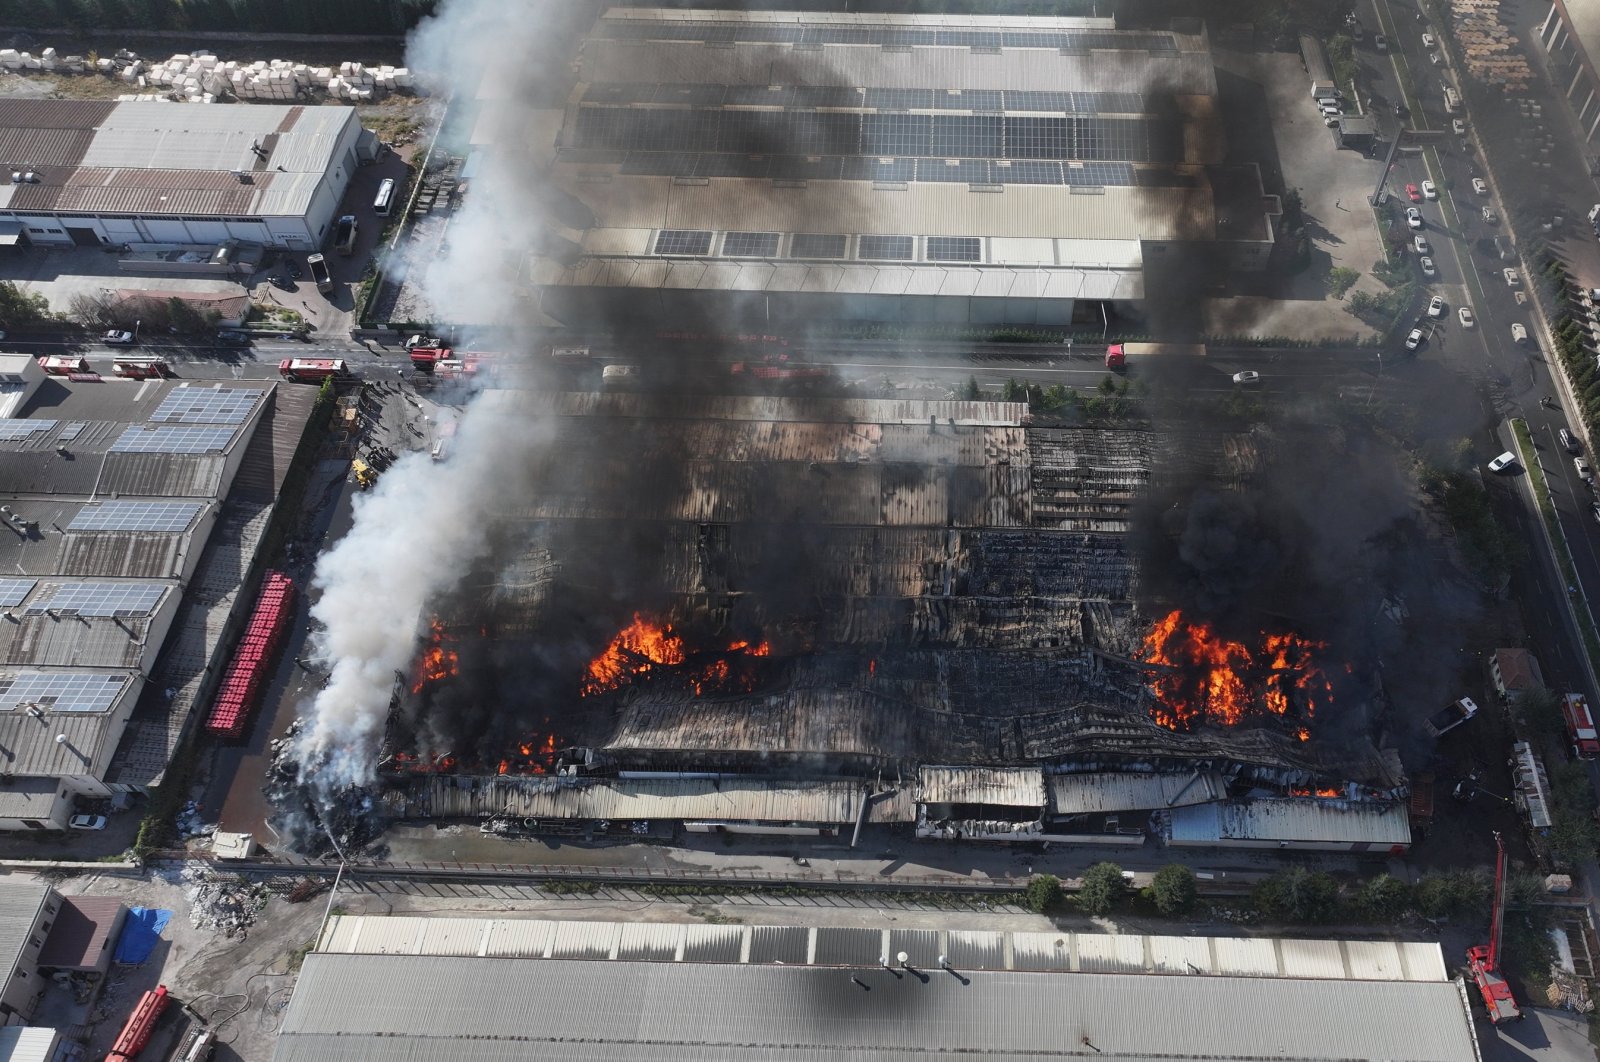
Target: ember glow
x=647 y=649
x=1204 y=678
x=438 y=660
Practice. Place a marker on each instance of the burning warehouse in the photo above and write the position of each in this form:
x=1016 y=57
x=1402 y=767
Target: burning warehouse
x=726 y=610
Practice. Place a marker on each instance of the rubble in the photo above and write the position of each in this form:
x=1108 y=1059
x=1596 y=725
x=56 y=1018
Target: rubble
x=226 y=903
x=190 y=825
x=314 y=821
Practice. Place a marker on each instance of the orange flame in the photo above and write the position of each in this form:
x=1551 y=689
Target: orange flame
x=1214 y=680
x=438 y=660
x=647 y=647
x=1325 y=793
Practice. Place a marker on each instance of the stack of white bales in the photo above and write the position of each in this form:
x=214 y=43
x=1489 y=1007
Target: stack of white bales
x=11 y=59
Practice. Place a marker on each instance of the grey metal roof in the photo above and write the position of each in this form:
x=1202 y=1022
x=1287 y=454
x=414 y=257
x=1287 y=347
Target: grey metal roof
x=20 y=900
x=1001 y=786
x=398 y=1006
x=729 y=799
x=28 y=798
x=1104 y=791
x=1307 y=821
x=28 y=744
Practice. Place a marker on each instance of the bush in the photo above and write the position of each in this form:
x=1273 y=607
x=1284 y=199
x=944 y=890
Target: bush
x=1341 y=279
x=1385 y=898
x=1458 y=894
x=1297 y=895
x=1043 y=893
x=1173 y=890
x=1103 y=886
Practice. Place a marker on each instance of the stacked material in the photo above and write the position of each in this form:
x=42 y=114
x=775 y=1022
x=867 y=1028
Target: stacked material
x=252 y=661
x=202 y=77
x=1488 y=44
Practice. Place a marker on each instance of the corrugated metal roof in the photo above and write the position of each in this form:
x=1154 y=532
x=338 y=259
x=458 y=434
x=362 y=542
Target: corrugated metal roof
x=728 y=799
x=20 y=900
x=26 y=1043
x=1002 y=786
x=129 y=554
x=1305 y=821
x=29 y=798
x=81 y=932
x=28 y=746
x=752 y=407
x=1107 y=791
x=379 y=1007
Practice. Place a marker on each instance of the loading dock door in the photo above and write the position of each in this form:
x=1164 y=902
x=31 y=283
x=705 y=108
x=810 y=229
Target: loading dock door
x=82 y=237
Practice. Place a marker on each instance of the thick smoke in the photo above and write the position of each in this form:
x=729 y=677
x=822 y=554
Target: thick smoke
x=425 y=524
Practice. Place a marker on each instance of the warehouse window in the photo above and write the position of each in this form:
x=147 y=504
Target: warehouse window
x=683 y=241
x=817 y=245
x=750 y=244
x=887 y=248
x=955 y=249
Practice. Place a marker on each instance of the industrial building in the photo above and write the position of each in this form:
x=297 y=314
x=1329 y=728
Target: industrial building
x=943 y=598
x=98 y=173
x=476 y=989
x=130 y=518
x=958 y=168
x=1570 y=34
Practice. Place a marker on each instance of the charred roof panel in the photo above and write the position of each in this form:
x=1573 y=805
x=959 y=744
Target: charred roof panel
x=160 y=475
x=1021 y=787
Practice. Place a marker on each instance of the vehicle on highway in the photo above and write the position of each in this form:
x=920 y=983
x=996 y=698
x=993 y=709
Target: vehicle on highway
x=313 y=370
x=87 y=822
x=1400 y=109
x=1428 y=41
x=62 y=365
x=1427 y=266
x=1429 y=190
x=233 y=339
x=1568 y=441
x=1464 y=315
x=1585 y=473
x=1414 y=217
x=1413 y=193
x=1458 y=127
x=1249 y=376
x=1519 y=334
x=1479 y=186
x=1436 y=306
x=141 y=369
x=1380 y=42
x=1414 y=339
x=1513 y=278
x=119 y=337
x=1421 y=244
x=1594 y=511
x=1435 y=58
x=1503 y=462
x=1490 y=217
x=420 y=340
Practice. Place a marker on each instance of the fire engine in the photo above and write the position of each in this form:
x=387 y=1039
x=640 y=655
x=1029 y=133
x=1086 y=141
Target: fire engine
x=140 y=1025
x=1117 y=354
x=312 y=370
x=778 y=367
x=1580 y=726
x=64 y=366
x=141 y=368
x=1483 y=960
x=423 y=359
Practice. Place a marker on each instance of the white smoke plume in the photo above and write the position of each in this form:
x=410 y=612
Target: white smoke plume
x=425 y=523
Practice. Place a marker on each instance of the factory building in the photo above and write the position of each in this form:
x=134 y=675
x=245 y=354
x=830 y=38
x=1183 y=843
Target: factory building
x=128 y=519
x=760 y=166
x=382 y=988
x=1570 y=34
x=92 y=173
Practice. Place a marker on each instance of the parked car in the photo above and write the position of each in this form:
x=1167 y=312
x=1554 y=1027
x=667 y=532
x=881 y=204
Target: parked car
x=1479 y=186
x=1513 y=278
x=1458 y=127
x=1380 y=42
x=1569 y=442
x=1413 y=194
x=1436 y=307
x=1428 y=41
x=1421 y=244
x=1414 y=339
x=1427 y=266
x=1585 y=473
x=87 y=822
x=1464 y=315
x=118 y=337
x=233 y=339
x=1503 y=462
x=1519 y=335
x=1490 y=217
x=1249 y=376
x=1595 y=511
x=1414 y=217
x=1429 y=190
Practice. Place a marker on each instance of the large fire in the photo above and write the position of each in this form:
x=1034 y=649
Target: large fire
x=438 y=659
x=649 y=648
x=1209 y=679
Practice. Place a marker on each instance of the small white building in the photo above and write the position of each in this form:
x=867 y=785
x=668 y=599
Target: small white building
x=96 y=173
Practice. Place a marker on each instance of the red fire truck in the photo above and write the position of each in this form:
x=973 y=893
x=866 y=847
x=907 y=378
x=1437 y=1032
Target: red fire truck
x=64 y=366
x=313 y=370
x=1580 y=726
x=142 y=368
x=424 y=359
x=778 y=367
x=1117 y=354
x=141 y=1023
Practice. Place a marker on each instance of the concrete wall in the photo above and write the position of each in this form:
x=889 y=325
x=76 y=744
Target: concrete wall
x=24 y=984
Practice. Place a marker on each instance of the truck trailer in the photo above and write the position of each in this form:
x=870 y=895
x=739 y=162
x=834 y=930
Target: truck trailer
x=1451 y=716
x=313 y=370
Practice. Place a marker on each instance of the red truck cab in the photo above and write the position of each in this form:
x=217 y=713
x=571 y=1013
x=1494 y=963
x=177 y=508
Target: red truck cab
x=425 y=359
x=312 y=370
x=54 y=365
x=141 y=368
x=1580 y=726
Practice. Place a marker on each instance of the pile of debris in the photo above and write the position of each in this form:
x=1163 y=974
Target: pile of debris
x=229 y=904
x=318 y=823
x=190 y=825
x=201 y=77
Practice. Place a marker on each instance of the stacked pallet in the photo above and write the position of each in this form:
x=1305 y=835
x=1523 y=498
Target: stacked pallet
x=252 y=661
x=202 y=77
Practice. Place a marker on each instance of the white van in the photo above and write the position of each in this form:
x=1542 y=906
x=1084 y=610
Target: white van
x=1594 y=212
x=385 y=199
x=1519 y=335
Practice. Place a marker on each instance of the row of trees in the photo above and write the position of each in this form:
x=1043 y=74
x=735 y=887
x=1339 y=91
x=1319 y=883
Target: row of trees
x=250 y=16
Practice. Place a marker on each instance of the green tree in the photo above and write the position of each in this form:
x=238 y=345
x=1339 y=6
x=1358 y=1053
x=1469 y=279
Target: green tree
x=1457 y=894
x=973 y=392
x=1014 y=391
x=19 y=308
x=1296 y=894
x=1043 y=892
x=1341 y=279
x=1540 y=711
x=1385 y=898
x=1173 y=889
x=1103 y=886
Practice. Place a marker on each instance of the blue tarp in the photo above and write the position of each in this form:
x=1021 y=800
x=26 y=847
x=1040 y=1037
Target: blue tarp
x=140 y=933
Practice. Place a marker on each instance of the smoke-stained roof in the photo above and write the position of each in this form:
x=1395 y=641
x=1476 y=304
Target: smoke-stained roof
x=1306 y=821
x=1110 y=791
x=668 y=799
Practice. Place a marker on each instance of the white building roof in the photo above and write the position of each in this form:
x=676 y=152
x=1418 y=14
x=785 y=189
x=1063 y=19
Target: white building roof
x=676 y=799
x=998 y=786
x=1297 y=821
x=1110 y=791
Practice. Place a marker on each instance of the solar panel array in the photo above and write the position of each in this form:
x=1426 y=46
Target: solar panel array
x=99 y=599
x=882 y=170
x=172 y=440
x=818 y=245
x=886 y=248
x=955 y=249
x=61 y=691
x=21 y=429
x=206 y=405
x=683 y=241
x=901 y=99
x=750 y=245
x=881 y=134
x=136 y=516
x=883 y=36
x=14 y=591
